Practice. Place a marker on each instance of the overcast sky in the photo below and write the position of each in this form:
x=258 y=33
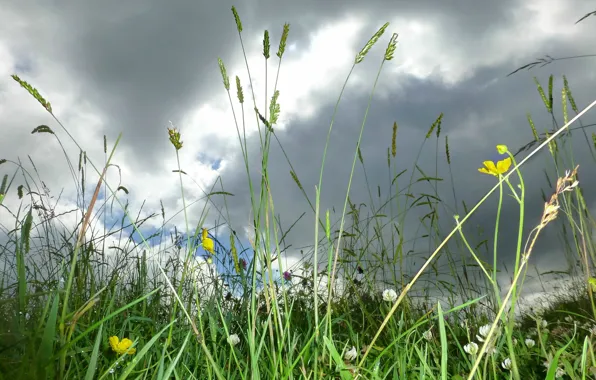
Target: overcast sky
x=110 y=67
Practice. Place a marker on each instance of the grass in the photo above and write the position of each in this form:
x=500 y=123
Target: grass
x=87 y=303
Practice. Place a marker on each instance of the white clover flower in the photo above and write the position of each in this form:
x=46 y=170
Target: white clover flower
x=559 y=373
x=569 y=319
x=351 y=354
x=471 y=348
x=492 y=351
x=389 y=295
x=514 y=341
x=543 y=323
x=530 y=342
x=506 y=364
x=233 y=339
x=483 y=331
x=428 y=334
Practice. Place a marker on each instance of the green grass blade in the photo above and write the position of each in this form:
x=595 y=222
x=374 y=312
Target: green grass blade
x=172 y=365
x=94 y=355
x=47 y=342
x=552 y=369
x=443 y=342
x=341 y=367
x=143 y=351
x=104 y=319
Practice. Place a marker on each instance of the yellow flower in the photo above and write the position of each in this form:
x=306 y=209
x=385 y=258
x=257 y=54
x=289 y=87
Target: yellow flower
x=492 y=169
x=121 y=346
x=207 y=242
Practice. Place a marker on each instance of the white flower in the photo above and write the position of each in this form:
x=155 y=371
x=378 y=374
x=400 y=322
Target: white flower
x=514 y=342
x=593 y=330
x=471 y=348
x=483 y=331
x=428 y=335
x=530 y=343
x=506 y=364
x=233 y=339
x=560 y=372
x=492 y=351
x=569 y=319
x=543 y=323
x=389 y=295
x=351 y=355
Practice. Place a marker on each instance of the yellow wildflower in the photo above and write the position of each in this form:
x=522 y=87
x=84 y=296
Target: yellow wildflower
x=503 y=162
x=207 y=242
x=122 y=346
x=501 y=167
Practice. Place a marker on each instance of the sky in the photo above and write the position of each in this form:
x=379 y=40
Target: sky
x=140 y=67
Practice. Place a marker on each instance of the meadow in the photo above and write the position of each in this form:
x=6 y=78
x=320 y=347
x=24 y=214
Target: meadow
x=72 y=306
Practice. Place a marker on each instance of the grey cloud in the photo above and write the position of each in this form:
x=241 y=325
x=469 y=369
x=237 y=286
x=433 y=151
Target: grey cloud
x=146 y=63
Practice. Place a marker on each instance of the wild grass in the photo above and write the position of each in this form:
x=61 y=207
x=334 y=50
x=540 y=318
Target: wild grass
x=79 y=302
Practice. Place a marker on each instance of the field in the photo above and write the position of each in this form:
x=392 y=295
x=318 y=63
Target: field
x=209 y=306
